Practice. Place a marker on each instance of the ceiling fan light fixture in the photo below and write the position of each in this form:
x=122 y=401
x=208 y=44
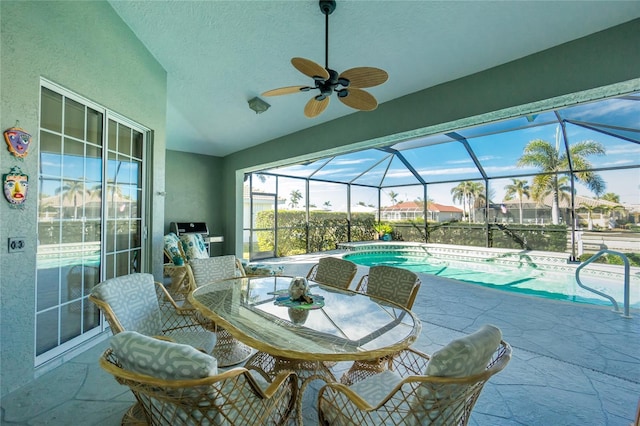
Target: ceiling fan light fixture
x=258 y=105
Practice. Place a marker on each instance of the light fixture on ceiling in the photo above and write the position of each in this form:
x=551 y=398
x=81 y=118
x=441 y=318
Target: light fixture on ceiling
x=258 y=105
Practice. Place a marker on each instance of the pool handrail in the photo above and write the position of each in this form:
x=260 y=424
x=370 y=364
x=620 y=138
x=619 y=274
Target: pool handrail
x=625 y=260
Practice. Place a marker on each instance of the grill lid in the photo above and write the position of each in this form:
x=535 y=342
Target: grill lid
x=189 y=228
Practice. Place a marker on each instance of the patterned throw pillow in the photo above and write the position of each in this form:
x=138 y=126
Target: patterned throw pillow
x=466 y=356
x=162 y=359
x=193 y=246
x=171 y=247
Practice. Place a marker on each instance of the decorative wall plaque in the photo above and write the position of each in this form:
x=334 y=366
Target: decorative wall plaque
x=18 y=141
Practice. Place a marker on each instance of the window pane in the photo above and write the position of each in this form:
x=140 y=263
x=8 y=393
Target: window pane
x=73 y=119
x=51 y=111
x=46 y=331
x=94 y=126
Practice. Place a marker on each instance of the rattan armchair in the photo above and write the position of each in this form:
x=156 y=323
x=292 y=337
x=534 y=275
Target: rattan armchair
x=234 y=397
x=228 y=350
x=333 y=271
x=398 y=285
x=404 y=395
x=384 y=282
x=136 y=302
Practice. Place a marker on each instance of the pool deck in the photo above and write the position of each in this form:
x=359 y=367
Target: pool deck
x=572 y=364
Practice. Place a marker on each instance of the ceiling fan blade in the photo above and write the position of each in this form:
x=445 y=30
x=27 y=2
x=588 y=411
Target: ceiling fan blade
x=314 y=108
x=359 y=99
x=365 y=76
x=310 y=68
x=286 y=90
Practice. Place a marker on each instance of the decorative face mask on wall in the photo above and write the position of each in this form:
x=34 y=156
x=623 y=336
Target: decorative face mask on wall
x=16 y=185
x=18 y=141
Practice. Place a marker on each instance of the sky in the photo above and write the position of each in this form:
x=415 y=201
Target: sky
x=497 y=152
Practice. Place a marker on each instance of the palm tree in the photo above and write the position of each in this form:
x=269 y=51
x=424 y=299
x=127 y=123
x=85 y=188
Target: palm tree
x=393 y=196
x=610 y=196
x=551 y=160
x=590 y=209
x=71 y=190
x=296 y=196
x=477 y=198
x=461 y=194
x=518 y=188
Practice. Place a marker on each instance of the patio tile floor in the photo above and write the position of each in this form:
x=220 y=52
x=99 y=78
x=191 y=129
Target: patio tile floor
x=572 y=364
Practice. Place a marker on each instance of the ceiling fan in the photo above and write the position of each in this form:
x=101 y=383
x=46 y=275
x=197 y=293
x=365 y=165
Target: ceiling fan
x=347 y=85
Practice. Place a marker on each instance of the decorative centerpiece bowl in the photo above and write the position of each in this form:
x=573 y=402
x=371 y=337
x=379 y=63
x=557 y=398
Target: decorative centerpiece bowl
x=299 y=289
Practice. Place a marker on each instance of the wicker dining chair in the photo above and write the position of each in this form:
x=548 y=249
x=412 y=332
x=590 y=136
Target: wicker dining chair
x=388 y=282
x=176 y=385
x=228 y=350
x=333 y=271
x=397 y=285
x=418 y=389
x=136 y=302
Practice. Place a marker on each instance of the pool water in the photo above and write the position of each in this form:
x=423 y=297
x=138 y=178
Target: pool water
x=524 y=279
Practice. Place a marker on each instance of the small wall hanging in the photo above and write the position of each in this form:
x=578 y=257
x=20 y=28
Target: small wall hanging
x=16 y=185
x=18 y=140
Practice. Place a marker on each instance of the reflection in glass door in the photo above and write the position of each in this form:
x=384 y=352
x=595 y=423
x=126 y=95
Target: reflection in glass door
x=124 y=192
x=79 y=216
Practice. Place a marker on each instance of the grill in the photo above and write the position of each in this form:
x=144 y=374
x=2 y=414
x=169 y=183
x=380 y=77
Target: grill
x=181 y=228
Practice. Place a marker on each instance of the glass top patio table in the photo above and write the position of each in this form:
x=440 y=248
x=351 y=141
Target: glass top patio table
x=348 y=325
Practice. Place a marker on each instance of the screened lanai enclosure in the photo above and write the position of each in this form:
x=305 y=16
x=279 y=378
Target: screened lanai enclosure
x=564 y=180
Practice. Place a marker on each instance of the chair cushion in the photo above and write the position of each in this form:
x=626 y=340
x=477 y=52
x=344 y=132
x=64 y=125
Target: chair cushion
x=374 y=389
x=262 y=269
x=466 y=356
x=395 y=284
x=193 y=246
x=336 y=272
x=203 y=340
x=158 y=358
x=212 y=269
x=172 y=248
x=134 y=302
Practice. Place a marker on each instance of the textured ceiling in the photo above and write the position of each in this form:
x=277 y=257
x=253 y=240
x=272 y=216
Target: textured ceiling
x=220 y=54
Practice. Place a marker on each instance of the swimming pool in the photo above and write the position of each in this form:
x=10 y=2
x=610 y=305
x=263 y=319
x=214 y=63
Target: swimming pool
x=518 y=272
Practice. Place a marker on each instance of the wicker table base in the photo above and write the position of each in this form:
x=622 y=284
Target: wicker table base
x=228 y=350
x=307 y=371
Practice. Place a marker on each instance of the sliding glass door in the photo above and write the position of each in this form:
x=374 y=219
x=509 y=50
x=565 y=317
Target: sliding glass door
x=90 y=217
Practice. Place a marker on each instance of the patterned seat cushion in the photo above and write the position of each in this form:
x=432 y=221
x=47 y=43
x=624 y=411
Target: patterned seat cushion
x=172 y=248
x=210 y=269
x=193 y=246
x=262 y=269
x=372 y=389
x=162 y=359
x=134 y=302
x=336 y=272
x=467 y=355
x=395 y=284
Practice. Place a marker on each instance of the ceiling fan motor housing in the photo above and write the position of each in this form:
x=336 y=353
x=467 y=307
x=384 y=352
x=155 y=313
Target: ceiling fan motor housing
x=327 y=6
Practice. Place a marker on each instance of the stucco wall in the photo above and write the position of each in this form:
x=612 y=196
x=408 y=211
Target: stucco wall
x=193 y=191
x=527 y=85
x=85 y=47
